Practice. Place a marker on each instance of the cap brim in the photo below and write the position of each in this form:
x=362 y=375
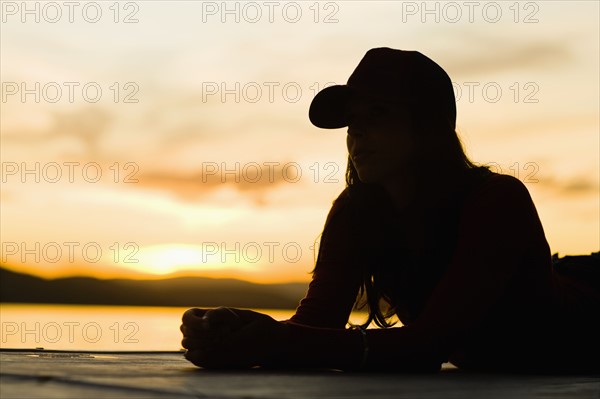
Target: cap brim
x=329 y=108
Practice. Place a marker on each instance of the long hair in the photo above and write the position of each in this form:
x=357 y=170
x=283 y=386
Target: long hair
x=440 y=154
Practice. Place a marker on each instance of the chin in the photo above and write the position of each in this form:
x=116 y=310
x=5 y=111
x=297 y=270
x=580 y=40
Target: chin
x=368 y=177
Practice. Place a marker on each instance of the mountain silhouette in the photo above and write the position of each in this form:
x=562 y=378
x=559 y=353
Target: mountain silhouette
x=181 y=291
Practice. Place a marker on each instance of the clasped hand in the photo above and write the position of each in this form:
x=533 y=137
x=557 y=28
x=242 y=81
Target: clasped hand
x=231 y=338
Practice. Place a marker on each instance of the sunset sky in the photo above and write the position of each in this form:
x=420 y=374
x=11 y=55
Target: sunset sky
x=145 y=138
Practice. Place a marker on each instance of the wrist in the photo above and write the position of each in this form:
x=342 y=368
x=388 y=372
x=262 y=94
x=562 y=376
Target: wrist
x=307 y=346
x=279 y=353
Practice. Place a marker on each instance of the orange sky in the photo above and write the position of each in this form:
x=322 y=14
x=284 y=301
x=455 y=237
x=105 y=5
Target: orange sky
x=177 y=139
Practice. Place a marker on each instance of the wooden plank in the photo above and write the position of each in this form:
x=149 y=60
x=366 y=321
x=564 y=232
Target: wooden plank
x=57 y=374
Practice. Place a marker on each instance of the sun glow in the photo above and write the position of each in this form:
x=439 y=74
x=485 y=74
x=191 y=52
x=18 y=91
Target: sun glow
x=170 y=258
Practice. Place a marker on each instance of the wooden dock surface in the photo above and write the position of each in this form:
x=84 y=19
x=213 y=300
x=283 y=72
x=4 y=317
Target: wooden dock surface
x=60 y=374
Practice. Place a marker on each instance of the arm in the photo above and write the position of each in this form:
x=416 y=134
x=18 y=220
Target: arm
x=493 y=236
x=336 y=278
x=224 y=337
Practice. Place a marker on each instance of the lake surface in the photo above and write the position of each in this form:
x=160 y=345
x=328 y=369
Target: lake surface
x=101 y=328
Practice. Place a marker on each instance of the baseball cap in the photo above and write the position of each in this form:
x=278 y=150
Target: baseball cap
x=403 y=77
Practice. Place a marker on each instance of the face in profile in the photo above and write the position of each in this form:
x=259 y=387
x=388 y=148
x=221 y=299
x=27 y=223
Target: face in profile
x=380 y=140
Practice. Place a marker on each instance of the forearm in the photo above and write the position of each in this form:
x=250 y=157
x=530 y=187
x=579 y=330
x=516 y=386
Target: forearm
x=317 y=347
x=398 y=348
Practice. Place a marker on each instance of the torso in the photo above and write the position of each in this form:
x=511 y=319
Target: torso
x=423 y=236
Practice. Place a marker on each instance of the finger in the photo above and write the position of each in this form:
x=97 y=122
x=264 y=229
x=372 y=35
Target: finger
x=204 y=335
x=191 y=332
x=223 y=316
x=248 y=316
x=204 y=341
x=193 y=313
x=193 y=356
x=193 y=318
x=189 y=343
x=194 y=343
x=204 y=359
x=232 y=351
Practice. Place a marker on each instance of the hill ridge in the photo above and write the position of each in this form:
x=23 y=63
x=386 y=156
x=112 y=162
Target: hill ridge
x=16 y=287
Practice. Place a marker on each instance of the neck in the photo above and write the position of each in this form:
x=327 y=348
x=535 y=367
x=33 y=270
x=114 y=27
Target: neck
x=408 y=194
x=402 y=190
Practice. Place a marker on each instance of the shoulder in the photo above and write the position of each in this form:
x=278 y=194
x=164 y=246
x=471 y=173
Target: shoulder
x=500 y=189
x=340 y=206
x=500 y=179
x=502 y=202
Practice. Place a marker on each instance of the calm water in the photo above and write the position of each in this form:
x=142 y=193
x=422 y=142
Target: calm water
x=126 y=328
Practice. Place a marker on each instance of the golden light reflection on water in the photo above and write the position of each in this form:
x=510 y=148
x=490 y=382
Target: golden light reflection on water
x=101 y=328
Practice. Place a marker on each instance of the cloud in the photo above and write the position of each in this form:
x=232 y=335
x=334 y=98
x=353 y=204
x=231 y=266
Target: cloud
x=248 y=178
x=575 y=186
x=86 y=125
x=485 y=54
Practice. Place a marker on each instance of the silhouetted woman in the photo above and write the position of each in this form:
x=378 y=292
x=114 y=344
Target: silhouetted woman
x=455 y=250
